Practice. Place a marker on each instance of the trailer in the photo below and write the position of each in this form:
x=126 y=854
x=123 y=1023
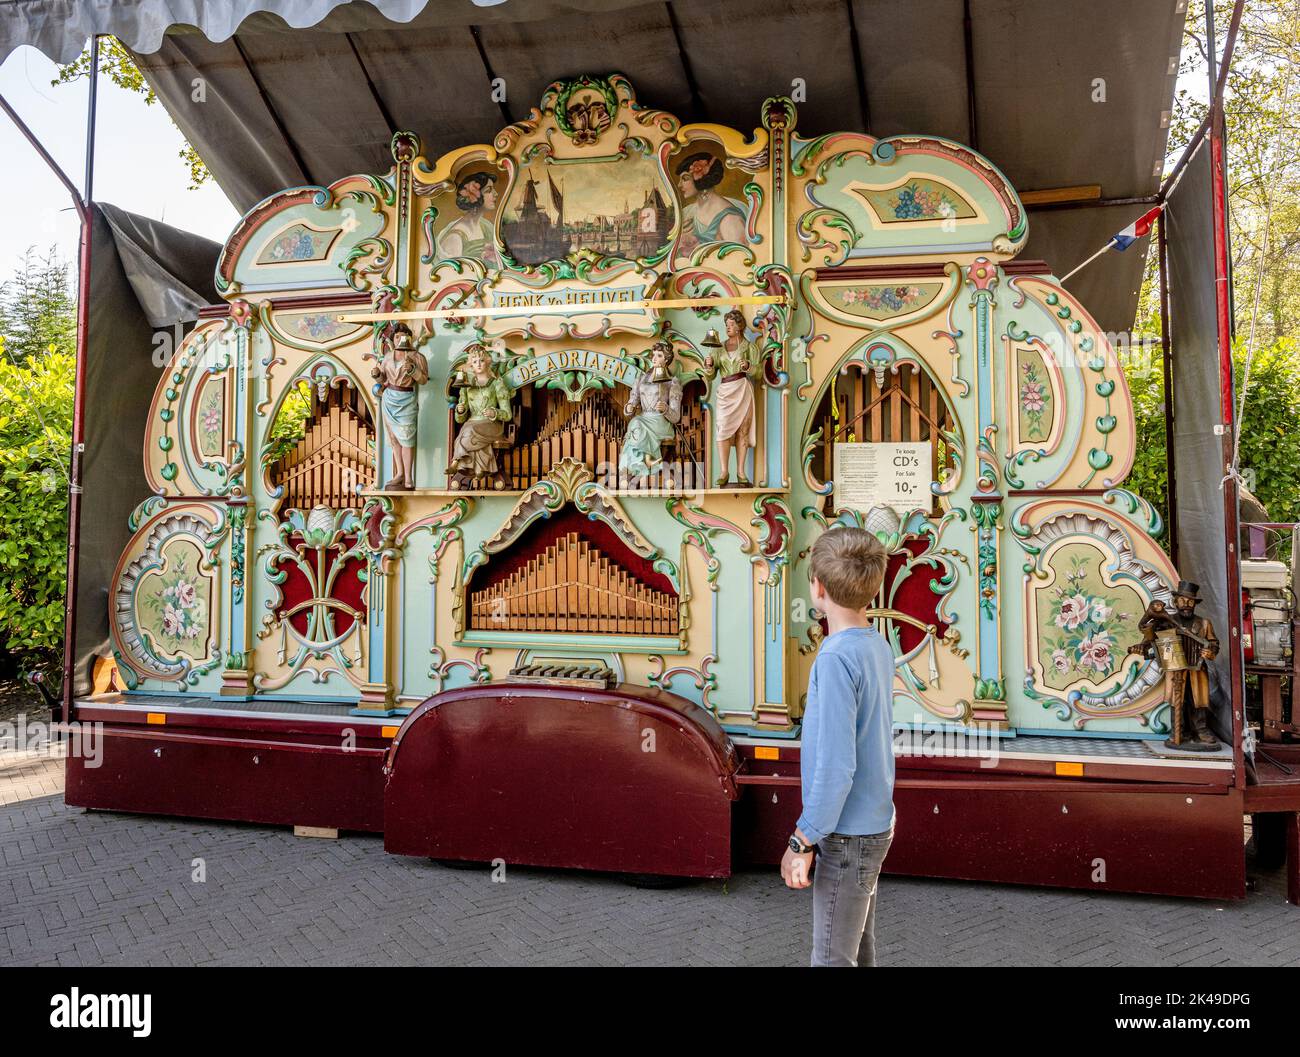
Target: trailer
x=478 y=511
x=551 y=654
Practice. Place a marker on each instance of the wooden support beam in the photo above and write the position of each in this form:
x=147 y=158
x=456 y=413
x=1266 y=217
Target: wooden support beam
x=1059 y=195
x=564 y=309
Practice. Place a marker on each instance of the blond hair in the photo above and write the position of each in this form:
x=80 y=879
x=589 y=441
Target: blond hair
x=850 y=565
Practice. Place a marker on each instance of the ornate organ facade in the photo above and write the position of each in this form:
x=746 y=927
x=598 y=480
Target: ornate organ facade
x=881 y=303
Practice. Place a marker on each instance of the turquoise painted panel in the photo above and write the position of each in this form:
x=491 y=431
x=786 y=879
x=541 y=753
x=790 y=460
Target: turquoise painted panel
x=309 y=244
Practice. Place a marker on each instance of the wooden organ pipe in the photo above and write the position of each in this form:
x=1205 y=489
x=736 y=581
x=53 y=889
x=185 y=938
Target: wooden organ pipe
x=908 y=408
x=571 y=586
x=333 y=459
x=590 y=430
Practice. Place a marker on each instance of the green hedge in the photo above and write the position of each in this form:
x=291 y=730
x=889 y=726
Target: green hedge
x=1270 y=427
x=35 y=434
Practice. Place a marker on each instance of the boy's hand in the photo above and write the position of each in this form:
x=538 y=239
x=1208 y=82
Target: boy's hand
x=796 y=870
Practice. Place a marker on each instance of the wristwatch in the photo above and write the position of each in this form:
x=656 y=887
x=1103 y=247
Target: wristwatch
x=799 y=847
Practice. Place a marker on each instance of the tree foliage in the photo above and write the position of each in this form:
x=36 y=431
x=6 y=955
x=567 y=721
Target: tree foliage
x=37 y=309
x=290 y=424
x=1149 y=477
x=1270 y=424
x=116 y=63
x=37 y=361
x=1268 y=427
x=35 y=436
x=1261 y=104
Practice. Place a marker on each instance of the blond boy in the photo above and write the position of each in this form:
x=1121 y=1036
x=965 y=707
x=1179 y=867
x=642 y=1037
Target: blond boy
x=847 y=759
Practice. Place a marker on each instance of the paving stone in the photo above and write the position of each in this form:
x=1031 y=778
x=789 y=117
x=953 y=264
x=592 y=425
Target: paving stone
x=97 y=888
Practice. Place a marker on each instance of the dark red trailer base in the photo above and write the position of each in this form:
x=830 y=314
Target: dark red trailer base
x=190 y=756
x=1115 y=824
x=641 y=781
x=629 y=780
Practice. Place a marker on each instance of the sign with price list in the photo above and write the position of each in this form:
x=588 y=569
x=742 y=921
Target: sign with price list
x=890 y=475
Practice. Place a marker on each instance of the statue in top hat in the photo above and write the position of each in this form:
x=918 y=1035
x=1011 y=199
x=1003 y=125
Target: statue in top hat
x=1183 y=643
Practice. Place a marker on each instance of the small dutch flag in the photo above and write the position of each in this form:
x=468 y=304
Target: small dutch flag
x=1140 y=228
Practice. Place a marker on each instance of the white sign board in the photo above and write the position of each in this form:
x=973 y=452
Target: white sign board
x=587 y=309
x=889 y=475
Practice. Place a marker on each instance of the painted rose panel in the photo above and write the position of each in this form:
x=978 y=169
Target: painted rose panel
x=173 y=603
x=298 y=243
x=210 y=413
x=1034 y=397
x=918 y=199
x=1085 y=624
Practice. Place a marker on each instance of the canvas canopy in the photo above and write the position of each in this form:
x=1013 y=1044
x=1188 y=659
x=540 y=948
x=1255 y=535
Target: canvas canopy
x=280 y=93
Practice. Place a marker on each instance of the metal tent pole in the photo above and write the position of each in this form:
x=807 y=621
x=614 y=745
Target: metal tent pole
x=79 y=395
x=1166 y=347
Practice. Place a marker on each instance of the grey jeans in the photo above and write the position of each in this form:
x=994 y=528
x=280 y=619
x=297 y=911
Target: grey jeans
x=844 y=898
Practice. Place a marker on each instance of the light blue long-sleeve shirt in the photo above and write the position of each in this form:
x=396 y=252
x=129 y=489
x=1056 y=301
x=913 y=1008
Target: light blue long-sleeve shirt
x=847 y=756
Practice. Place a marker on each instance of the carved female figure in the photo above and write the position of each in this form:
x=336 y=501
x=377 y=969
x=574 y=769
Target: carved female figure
x=708 y=216
x=402 y=369
x=484 y=408
x=471 y=235
x=733 y=416
x=658 y=396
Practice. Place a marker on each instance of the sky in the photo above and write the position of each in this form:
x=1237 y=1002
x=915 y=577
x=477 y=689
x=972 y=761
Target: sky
x=137 y=165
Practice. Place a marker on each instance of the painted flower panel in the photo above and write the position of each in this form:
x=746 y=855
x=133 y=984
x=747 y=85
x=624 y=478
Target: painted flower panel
x=210 y=418
x=298 y=243
x=1035 y=397
x=173 y=603
x=881 y=302
x=316 y=326
x=1085 y=625
x=919 y=199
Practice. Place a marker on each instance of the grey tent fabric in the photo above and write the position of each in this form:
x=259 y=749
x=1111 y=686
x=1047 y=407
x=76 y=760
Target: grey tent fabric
x=147 y=278
x=60 y=28
x=170 y=271
x=1198 y=451
x=308 y=91
x=1109 y=287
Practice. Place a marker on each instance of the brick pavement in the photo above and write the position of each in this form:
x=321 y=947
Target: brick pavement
x=30 y=773
x=80 y=888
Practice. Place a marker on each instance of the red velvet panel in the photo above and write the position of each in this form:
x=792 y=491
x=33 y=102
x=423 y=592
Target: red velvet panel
x=544 y=531
x=298 y=588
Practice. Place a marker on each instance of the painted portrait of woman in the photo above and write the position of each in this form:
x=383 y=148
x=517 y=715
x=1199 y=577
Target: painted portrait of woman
x=471 y=235
x=708 y=216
